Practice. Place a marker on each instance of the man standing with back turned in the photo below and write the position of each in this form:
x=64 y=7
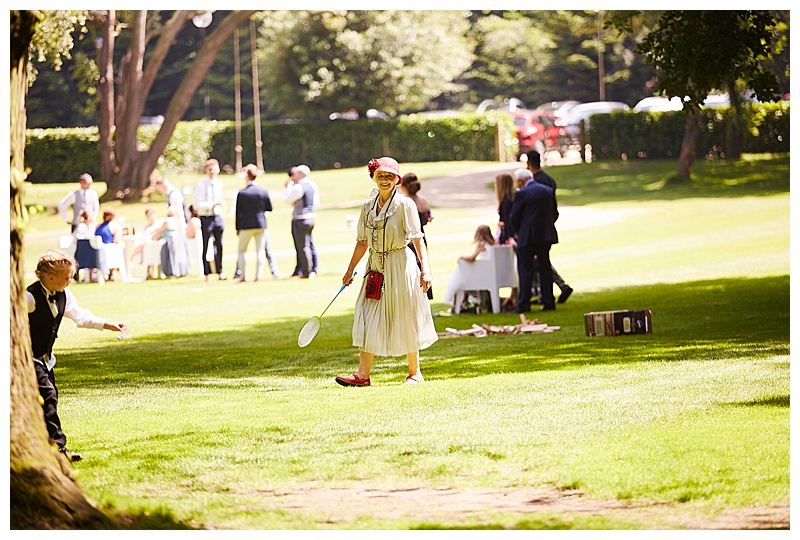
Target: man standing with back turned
x=251 y=221
x=535 y=167
x=533 y=215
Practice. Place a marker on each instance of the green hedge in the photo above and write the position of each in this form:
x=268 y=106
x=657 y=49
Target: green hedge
x=61 y=155
x=658 y=135
x=350 y=143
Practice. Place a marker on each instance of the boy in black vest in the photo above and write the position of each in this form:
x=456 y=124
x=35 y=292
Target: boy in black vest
x=49 y=301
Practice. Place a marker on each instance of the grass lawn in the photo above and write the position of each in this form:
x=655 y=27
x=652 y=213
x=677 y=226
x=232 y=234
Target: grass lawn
x=211 y=416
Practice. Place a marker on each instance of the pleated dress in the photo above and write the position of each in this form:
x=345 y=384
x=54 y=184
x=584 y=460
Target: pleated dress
x=400 y=322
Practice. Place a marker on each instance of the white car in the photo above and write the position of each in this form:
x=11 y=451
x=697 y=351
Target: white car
x=571 y=121
x=658 y=103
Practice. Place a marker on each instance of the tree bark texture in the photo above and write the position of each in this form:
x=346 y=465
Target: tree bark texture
x=134 y=166
x=736 y=125
x=106 y=94
x=43 y=492
x=689 y=146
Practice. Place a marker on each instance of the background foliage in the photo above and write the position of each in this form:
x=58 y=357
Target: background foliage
x=658 y=135
x=60 y=155
x=469 y=56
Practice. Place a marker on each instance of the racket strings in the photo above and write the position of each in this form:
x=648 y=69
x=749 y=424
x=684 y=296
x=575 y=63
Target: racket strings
x=309 y=331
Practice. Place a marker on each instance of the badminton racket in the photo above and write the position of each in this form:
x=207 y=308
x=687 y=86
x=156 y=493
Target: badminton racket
x=312 y=325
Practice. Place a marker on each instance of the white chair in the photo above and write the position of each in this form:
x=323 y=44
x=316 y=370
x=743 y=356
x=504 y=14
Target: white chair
x=196 y=253
x=115 y=259
x=151 y=256
x=67 y=244
x=496 y=268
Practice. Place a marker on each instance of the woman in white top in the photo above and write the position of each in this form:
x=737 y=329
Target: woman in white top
x=483 y=239
x=393 y=317
x=85 y=229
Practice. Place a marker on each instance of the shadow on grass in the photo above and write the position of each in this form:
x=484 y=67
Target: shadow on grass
x=699 y=321
x=773 y=401
x=644 y=180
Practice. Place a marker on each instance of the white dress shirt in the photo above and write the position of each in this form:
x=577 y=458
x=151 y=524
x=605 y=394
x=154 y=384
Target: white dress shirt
x=295 y=192
x=208 y=197
x=91 y=203
x=81 y=316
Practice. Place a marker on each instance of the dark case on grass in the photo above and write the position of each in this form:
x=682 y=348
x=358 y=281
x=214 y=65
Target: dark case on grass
x=618 y=323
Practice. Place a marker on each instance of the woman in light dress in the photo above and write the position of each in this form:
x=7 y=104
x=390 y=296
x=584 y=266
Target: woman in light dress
x=400 y=322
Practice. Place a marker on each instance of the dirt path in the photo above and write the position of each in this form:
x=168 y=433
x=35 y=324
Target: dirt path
x=470 y=189
x=343 y=507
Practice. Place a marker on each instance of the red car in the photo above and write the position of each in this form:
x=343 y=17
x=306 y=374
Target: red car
x=537 y=130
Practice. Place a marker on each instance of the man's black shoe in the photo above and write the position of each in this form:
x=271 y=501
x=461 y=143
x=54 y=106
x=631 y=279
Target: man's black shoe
x=547 y=308
x=72 y=456
x=565 y=294
x=521 y=310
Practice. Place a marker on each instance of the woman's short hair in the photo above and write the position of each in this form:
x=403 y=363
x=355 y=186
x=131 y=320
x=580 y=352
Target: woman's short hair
x=109 y=214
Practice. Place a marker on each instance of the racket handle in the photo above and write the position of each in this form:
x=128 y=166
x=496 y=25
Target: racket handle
x=337 y=295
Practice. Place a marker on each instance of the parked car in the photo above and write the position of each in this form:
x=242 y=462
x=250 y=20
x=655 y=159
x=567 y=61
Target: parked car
x=658 y=103
x=558 y=108
x=352 y=114
x=537 y=130
x=571 y=122
x=507 y=104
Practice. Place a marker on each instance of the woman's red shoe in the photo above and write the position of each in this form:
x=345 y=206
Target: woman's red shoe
x=353 y=380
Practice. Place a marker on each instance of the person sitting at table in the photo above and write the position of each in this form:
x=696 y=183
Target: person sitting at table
x=175 y=253
x=153 y=224
x=194 y=224
x=85 y=229
x=110 y=231
x=169 y=225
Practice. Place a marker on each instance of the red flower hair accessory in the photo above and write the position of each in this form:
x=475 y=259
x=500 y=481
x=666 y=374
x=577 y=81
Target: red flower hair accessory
x=384 y=164
x=372 y=166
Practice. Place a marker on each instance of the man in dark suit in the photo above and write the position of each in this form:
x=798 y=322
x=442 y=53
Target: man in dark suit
x=251 y=221
x=535 y=167
x=533 y=215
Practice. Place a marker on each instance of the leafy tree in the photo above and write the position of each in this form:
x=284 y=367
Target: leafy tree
x=125 y=167
x=511 y=53
x=540 y=56
x=316 y=63
x=696 y=52
x=66 y=95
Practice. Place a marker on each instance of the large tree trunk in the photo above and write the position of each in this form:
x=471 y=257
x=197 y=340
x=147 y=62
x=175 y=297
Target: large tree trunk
x=689 y=146
x=734 y=132
x=43 y=491
x=134 y=166
x=106 y=93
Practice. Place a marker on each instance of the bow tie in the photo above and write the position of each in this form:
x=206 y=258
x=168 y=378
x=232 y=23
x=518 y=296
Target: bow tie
x=51 y=297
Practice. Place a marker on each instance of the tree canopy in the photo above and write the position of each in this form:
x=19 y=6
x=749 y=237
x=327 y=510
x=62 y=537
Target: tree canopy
x=316 y=63
x=696 y=52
